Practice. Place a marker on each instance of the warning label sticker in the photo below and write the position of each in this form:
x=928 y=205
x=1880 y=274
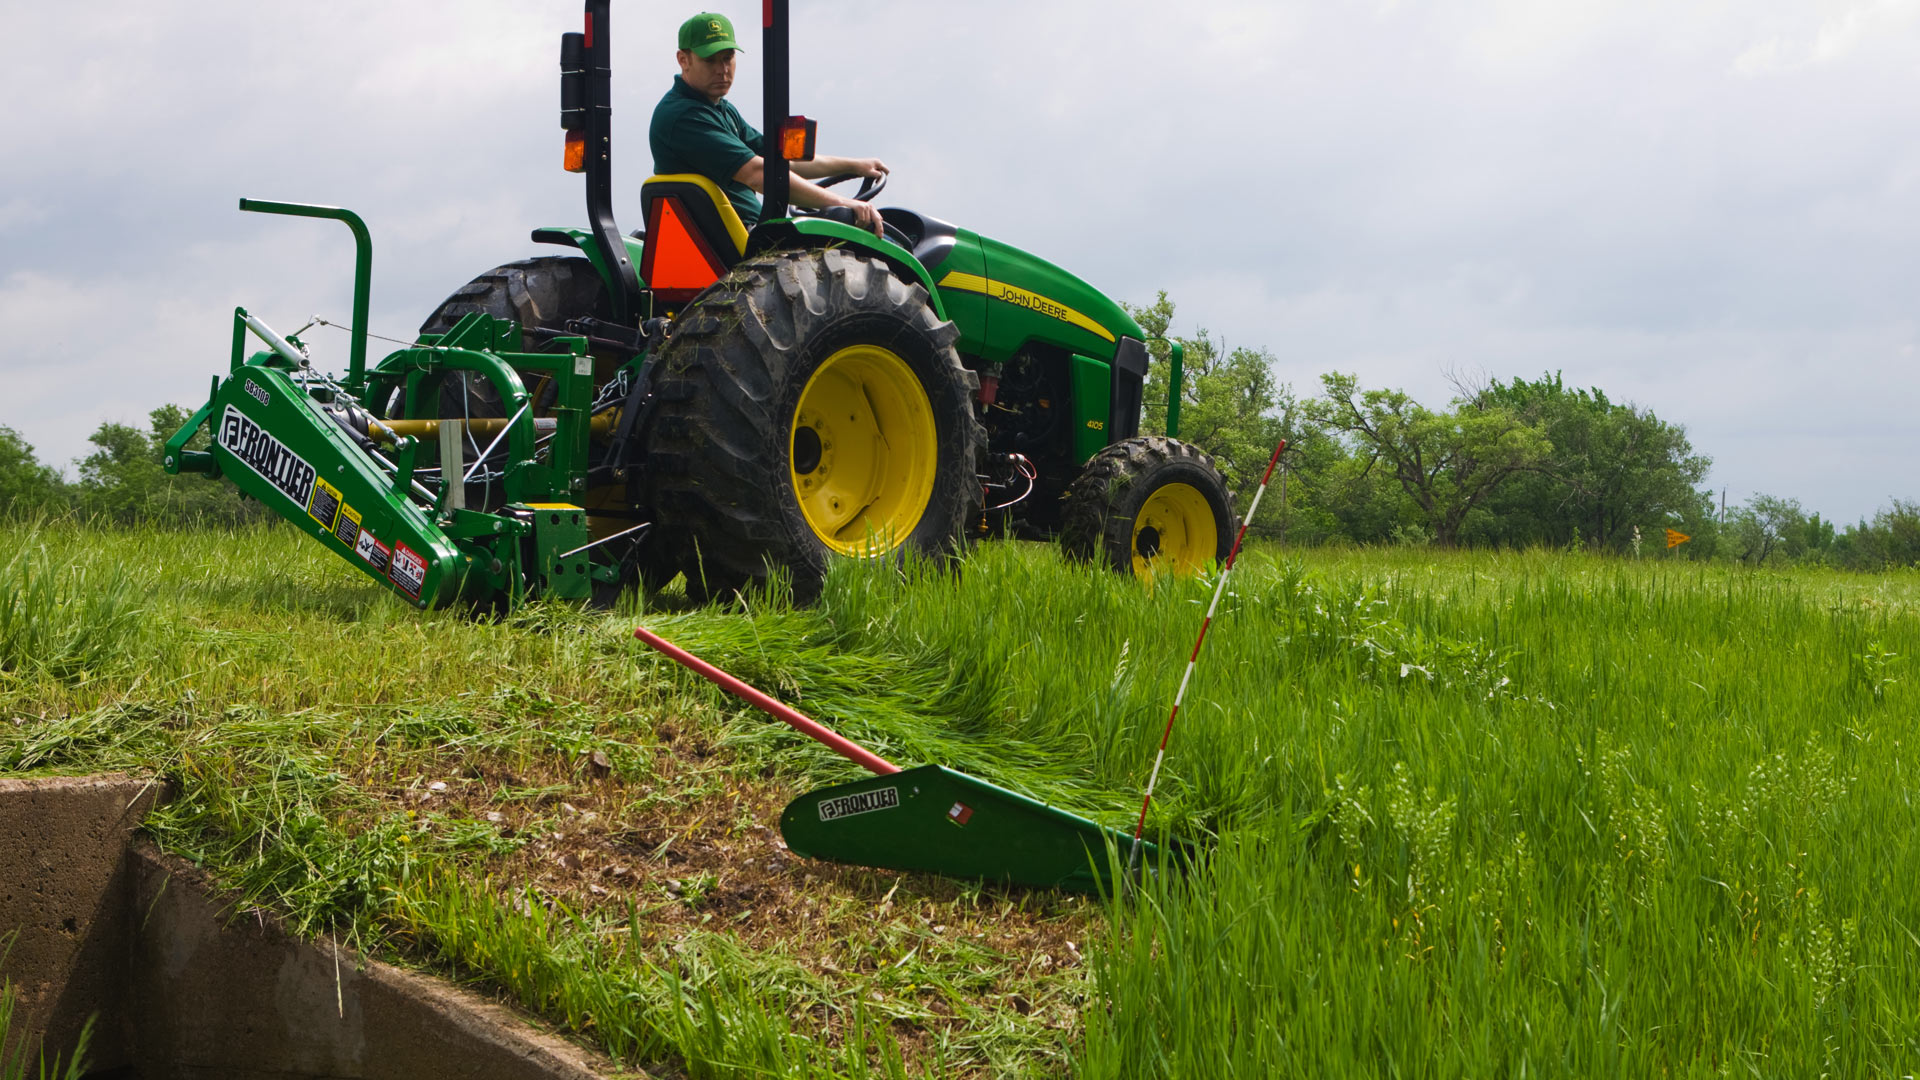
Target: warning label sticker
x=267 y=456
x=348 y=527
x=408 y=570
x=376 y=553
x=324 y=504
x=864 y=802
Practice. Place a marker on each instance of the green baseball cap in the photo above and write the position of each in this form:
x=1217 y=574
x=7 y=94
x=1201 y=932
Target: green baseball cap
x=706 y=34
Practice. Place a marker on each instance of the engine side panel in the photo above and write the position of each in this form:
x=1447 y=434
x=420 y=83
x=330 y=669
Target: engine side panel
x=1032 y=300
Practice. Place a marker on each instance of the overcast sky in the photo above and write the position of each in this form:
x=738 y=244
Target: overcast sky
x=1710 y=209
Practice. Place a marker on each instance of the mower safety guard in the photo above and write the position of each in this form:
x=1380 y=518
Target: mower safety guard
x=362 y=274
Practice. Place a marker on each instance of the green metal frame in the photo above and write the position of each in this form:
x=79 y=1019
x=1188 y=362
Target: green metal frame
x=362 y=273
x=1176 y=374
x=270 y=435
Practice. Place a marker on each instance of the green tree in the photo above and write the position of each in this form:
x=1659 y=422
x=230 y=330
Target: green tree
x=27 y=487
x=1612 y=467
x=122 y=481
x=1891 y=539
x=1765 y=527
x=1446 y=463
x=1231 y=405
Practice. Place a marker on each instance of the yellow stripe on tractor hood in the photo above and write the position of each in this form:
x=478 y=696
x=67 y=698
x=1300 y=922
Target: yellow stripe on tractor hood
x=1019 y=297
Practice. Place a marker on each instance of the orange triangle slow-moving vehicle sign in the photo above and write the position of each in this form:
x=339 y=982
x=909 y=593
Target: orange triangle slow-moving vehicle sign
x=677 y=262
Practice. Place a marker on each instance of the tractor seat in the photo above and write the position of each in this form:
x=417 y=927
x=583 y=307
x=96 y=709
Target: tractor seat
x=694 y=235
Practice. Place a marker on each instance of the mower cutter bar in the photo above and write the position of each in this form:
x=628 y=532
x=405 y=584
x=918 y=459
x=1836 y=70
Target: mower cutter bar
x=930 y=819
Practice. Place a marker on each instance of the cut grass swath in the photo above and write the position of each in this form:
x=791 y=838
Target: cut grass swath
x=930 y=819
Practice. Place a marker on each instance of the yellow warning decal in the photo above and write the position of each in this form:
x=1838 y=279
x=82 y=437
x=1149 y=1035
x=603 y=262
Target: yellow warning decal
x=1019 y=297
x=550 y=506
x=324 y=503
x=348 y=527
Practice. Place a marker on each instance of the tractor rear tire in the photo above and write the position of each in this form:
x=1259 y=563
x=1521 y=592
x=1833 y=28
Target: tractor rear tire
x=1149 y=505
x=538 y=293
x=542 y=293
x=752 y=463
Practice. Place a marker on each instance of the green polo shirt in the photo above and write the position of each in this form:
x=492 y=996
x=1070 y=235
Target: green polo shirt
x=693 y=135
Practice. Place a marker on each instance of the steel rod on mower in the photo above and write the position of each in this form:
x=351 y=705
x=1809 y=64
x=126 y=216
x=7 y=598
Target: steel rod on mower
x=786 y=714
x=1219 y=590
x=480 y=425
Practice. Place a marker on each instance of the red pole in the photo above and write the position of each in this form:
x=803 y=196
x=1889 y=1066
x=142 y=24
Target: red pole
x=845 y=747
x=1193 y=658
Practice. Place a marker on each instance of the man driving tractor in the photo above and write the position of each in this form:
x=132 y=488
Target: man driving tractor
x=696 y=129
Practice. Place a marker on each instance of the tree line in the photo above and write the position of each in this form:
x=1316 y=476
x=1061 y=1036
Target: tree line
x=121 y=483
x=1515 y=464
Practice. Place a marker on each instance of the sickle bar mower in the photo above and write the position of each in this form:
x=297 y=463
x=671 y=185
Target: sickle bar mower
x=930 y=819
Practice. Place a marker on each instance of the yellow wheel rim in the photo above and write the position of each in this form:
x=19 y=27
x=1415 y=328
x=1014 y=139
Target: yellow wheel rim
x=862 y=451
x=1174 y=532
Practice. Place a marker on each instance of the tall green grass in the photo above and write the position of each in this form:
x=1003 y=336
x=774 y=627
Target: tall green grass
x=1472 y=814
x=1464 y=814
x=65 y=614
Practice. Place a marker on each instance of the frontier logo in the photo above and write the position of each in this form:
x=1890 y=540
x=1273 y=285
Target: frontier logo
x=864 y=802
x=266 y=456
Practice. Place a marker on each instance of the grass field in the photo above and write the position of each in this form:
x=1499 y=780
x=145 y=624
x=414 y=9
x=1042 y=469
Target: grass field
x=1466 y=814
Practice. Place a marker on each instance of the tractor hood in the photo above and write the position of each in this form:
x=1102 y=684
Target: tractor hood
x=1002 y=298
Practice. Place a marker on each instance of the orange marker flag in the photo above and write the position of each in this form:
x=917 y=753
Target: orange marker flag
x=1675 y=538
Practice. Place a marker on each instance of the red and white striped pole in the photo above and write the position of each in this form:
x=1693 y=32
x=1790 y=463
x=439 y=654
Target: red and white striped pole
x=1219 y=589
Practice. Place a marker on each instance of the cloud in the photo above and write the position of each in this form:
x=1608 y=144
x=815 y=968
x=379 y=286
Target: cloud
x=1830 y=34
x=1712 y=208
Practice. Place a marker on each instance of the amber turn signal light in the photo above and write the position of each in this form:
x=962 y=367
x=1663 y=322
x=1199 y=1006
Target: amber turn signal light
x=796 y=138
x=576 y=160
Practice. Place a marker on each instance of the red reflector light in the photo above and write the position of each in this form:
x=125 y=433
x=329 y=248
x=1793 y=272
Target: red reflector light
x=677 y=262
x=576 y=158
x=589 y=35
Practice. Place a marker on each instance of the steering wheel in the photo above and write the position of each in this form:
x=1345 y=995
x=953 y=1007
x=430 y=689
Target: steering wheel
x=870 y=186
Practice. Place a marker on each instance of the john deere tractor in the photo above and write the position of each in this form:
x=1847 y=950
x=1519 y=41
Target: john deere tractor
x=706 y=399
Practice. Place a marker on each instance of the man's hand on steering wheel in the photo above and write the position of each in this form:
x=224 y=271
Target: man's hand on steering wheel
x=872 y=173
x=871 y=167
x=867 y=216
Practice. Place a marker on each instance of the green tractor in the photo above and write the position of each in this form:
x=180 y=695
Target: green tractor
x=703 y=399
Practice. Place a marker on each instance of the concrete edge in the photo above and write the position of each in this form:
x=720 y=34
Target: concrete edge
x=481 y=1021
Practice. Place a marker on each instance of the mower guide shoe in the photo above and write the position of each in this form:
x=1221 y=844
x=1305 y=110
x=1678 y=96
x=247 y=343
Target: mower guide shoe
x=935 y=820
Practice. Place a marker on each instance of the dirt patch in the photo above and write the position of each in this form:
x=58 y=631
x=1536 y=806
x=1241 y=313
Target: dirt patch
x=695 y=846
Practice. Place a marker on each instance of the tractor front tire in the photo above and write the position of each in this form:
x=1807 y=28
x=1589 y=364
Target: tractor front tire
x=1149 y=505
x=811 y=404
